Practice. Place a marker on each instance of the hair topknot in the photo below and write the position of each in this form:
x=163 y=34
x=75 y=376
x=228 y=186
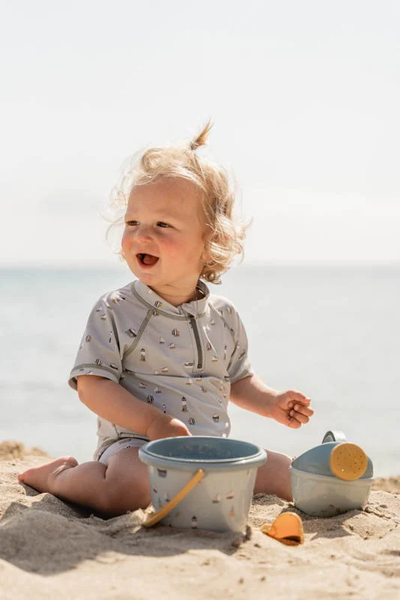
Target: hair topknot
x=201 y=139
x=224 y=239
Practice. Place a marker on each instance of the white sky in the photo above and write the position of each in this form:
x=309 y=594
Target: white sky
x=305 y=97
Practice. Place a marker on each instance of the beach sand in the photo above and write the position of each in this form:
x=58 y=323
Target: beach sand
x=49 y=549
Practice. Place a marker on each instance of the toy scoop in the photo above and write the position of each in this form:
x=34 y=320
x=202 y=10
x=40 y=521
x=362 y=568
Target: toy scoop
x=287 y=529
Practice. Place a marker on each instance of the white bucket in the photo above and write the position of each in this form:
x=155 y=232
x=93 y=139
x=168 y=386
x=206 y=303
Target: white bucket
x=221 y=501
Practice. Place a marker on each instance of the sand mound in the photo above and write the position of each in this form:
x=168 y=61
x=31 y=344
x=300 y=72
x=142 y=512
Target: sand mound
x=11 y=449
x=388 y=484
x=49 y=549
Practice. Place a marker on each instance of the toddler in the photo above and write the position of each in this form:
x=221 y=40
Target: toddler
x=162 y=356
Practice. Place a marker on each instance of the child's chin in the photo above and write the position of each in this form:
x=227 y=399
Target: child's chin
x=141 y=272
x=146 y=276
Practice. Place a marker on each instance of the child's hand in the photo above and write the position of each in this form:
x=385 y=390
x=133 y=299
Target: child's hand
x=291 y=408
x=166 y=426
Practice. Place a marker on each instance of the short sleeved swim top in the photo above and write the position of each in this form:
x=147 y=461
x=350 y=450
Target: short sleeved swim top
x=182 y=359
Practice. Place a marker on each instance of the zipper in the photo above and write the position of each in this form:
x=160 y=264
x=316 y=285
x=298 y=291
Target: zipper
x=139 y=333
x=198 y=343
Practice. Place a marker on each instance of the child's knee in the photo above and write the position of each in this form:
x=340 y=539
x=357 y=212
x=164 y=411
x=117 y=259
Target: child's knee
x=274 y=477
x=120 y=499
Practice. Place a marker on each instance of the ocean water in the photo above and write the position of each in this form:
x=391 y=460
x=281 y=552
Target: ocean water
x=332 y=332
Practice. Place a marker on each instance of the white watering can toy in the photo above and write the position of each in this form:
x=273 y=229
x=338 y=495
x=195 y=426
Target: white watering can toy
x=331 y=478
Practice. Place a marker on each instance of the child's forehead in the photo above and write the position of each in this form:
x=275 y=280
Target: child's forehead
x=166 y=194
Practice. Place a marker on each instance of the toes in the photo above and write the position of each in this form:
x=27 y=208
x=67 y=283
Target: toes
x=40 y=478
x=22 y=476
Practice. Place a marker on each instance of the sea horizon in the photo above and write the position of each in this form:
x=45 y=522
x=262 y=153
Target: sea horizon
x=327 y=330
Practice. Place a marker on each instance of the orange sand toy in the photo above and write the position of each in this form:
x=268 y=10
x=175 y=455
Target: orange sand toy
x=287 y=529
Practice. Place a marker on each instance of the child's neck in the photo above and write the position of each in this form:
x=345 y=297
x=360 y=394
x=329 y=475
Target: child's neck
x=177 y=298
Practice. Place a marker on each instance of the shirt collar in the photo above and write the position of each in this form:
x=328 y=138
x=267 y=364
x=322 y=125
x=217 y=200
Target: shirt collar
x=153 y=300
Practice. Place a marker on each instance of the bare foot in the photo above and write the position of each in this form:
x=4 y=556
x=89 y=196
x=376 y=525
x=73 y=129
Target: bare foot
x=42 y=478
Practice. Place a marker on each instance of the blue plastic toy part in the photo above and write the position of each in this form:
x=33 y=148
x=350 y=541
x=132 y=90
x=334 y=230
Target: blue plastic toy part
x=205 y=452
x=316 y=461
x=334 y=436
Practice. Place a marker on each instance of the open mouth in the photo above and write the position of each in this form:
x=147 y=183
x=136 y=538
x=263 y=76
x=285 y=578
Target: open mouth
x=147 y=260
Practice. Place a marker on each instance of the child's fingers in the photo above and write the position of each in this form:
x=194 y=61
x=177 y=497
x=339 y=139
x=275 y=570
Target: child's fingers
x=302 y=400
x=299 y=417
x=293 y=423
x=299 y=412
x=304 y=410
x=300 y=408
x=298 y=397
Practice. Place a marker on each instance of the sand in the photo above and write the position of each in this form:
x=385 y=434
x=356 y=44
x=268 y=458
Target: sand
x=49 y=549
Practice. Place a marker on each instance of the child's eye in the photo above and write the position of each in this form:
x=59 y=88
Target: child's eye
x=162 y=224
x=131 y=223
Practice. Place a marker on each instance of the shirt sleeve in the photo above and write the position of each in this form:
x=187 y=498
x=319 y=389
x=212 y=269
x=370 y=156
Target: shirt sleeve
x=98 y=352
x=239 y=366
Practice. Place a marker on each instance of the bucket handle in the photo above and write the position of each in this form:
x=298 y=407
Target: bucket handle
x=165 y=510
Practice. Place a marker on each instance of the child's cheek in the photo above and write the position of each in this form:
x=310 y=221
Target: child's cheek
x=125 y=242
x=168 y=244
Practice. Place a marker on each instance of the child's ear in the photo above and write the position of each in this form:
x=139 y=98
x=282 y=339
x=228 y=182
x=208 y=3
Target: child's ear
x=205 y=255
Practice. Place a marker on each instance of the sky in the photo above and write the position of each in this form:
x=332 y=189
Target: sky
x=304 y=97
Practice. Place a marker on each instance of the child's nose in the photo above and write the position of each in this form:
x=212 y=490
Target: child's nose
x=143 y=233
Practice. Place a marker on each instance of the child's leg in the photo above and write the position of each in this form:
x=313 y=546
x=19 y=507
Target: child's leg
x=112 y=490
x=274 y=476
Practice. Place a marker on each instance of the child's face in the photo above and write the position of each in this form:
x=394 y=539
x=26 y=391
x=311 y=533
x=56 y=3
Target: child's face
x=164 y=237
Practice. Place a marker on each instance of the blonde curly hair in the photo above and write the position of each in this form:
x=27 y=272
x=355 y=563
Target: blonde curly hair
x=224 y=239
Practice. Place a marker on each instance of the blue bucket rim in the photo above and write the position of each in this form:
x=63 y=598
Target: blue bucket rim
x=258 y=452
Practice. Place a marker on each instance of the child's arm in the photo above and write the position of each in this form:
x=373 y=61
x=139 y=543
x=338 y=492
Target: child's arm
x=114 y=403
x=289 y=408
